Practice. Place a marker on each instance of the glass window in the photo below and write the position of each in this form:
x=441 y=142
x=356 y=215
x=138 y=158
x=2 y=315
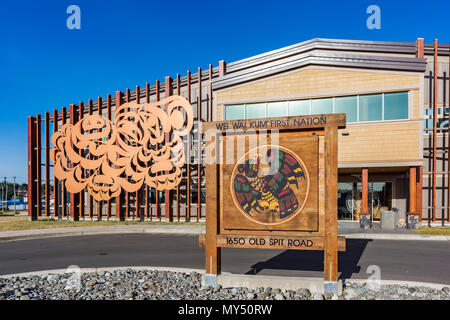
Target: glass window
x=299 y=108
x=277 y=109
x=396 y=105
x=321 y=106
x=370 y=107
x=256 y=110
x=347 y=105
x=235 y=112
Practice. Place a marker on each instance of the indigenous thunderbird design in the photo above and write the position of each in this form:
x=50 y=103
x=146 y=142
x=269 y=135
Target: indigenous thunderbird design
x=272 y=196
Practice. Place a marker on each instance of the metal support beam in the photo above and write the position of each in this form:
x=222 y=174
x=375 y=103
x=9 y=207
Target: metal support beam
x=74 y=197
x=32 y=210
x=167 y=194
x=434 y=129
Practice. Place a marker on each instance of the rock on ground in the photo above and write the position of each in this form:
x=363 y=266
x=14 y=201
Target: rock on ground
x=127 y=284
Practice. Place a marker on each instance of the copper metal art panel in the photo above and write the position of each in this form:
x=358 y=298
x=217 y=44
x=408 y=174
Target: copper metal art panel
x=125 y=154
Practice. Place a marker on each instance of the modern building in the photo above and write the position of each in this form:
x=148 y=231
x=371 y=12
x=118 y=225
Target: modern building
x=391 y=156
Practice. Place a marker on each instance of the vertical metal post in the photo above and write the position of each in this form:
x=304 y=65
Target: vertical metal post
x=63 y=189
x=167 y=193
x=178 y=186
x=188 y=157
x=419 y=172
x=119 y=215
x=81 y=195
x=147 y=202
x=210 y=106
x=100 y=202
x=32 y=211
x=199 y=145
x=91 y=198
x=127 y=194
x=56 y=211
x=108 y=113
x=158 y=216
x=47 y=164
x=138 y=192
x=74 y=197
x=38 y=167
x=434 y=128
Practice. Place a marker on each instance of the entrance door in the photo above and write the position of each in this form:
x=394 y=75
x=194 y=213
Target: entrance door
x=381 y=198
x=350 y=199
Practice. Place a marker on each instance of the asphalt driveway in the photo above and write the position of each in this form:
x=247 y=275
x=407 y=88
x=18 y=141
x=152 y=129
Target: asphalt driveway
x=426 y=261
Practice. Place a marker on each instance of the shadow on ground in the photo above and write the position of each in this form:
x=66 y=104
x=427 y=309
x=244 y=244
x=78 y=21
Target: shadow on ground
x=303 y=260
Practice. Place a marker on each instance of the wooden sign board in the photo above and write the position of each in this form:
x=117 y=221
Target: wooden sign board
x=254 y=198
x=272 y=183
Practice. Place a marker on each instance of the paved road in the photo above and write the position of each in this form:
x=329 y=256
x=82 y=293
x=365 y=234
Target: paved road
x=426 y=261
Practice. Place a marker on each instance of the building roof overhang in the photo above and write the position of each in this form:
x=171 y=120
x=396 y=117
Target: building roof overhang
x=272 y=66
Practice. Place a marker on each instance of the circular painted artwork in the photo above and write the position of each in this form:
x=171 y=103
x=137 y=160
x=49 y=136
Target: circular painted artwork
x=270 y=185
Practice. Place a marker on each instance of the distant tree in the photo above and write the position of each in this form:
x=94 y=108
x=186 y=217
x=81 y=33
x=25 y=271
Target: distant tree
x=19 y=187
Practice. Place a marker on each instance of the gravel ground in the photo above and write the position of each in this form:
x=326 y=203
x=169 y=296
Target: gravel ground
x=130 y=284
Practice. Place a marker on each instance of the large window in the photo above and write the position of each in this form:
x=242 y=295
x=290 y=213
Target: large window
x=395 y=105
x=256 y=110
x=371 y=107
x=299 y=107
x=277 y=109
x=358 y=108
x=322 y=106
x=347 y=105
x=235 y=112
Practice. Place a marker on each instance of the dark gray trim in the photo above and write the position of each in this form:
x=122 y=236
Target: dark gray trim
x=325 y=44
x=443 y=49
x=322 y=59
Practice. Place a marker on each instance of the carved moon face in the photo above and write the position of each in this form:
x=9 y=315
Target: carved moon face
x=270 y=185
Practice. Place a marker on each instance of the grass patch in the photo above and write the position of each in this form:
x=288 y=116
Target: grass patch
x=5 y=212
x=441 y=231
x=9 y=223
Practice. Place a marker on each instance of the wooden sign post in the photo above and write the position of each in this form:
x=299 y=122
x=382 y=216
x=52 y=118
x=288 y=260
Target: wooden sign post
x=272 y=183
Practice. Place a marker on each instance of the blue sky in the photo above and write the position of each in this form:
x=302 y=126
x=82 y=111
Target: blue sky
x=121 y=44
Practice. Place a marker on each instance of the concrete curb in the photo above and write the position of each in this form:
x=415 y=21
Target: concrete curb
x=83 y=231
x=437 y=286
x=107 y=269
x=175 y=229
x=229 y=280
x=390 y=236
x=314 y=285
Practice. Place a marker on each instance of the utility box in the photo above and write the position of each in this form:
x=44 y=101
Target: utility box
x=388 y=219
